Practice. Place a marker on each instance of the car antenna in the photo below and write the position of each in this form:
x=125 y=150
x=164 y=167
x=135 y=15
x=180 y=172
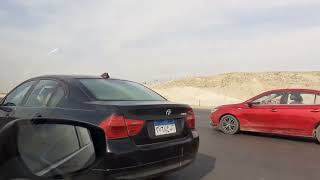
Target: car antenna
x=105 y=76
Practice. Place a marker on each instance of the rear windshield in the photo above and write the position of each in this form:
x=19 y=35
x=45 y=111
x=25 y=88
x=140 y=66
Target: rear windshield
x=119 y=90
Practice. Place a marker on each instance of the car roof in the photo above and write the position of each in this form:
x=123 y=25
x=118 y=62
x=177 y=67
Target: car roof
x=284 y=90
x=294 y=89
x=70 y=77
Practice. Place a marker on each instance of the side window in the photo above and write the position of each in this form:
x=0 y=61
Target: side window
x=16 y=96
x=317 y=99
x=41 y=93
x=301 y=98
x=272 y=99
x=56 y=97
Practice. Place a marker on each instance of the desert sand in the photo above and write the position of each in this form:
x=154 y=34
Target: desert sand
x=208 y=91
x=233 y=87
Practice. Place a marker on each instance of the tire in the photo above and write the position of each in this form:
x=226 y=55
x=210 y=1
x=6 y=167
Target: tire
x=317 y=135
x=229 y=124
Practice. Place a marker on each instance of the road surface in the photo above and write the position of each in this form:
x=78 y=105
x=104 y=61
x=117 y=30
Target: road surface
x=250 y=156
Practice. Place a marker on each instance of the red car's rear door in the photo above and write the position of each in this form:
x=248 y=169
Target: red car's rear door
x=294 y=120
x=298 y=118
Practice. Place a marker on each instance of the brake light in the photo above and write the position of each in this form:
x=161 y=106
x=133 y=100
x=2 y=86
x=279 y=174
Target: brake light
x=134 y=126
x=116 y=127
x=191 y=119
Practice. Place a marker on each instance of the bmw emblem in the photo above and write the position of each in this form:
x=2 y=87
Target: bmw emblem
x=168 y=112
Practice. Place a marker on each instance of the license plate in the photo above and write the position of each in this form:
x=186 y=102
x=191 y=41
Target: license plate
x=164 y=127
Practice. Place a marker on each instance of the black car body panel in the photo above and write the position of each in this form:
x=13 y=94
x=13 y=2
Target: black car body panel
x=153 y=160
x=138 y=156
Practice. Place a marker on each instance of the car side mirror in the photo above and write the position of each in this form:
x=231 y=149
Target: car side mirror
x=251 y=104
x=5 y=108
x=49 y=148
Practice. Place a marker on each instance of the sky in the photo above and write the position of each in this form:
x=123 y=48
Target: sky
x=145 y=40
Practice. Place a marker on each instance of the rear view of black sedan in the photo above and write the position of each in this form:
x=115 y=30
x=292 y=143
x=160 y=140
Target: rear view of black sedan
x=146 y=135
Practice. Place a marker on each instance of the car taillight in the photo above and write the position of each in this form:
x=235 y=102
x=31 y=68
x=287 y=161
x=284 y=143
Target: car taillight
x=116 y=127
x=191 y=119
x=134 y=126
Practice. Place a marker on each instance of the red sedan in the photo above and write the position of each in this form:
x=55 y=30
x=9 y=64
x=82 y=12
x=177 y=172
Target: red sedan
x=293 y=112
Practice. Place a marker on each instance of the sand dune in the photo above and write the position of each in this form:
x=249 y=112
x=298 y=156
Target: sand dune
x=233 y=87
x=195 y=96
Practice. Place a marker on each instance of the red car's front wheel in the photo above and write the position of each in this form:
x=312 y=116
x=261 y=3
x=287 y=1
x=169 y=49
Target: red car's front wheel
x=229 y=124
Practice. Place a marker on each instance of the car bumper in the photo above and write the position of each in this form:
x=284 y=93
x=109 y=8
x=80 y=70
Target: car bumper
x=150 y=160
x=153 y=169
x=214 y=119
x=213 y=125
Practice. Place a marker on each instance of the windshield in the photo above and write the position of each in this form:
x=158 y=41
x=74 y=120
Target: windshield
x=119 y=90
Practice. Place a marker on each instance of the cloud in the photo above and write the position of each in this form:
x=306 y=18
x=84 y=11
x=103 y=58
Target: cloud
x=138 y=39
x=53 y=51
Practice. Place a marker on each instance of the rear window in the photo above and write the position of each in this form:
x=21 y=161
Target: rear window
x=119 y=90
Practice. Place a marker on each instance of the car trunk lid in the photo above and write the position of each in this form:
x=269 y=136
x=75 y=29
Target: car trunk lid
x=160 y=115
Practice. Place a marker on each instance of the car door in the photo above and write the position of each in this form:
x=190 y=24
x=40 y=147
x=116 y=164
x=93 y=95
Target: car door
x=299 y=115
x=37 y=103
x=14 y=99
x=316 y=110
x=263 y=114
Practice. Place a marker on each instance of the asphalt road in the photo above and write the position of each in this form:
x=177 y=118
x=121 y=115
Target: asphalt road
x=250 y=156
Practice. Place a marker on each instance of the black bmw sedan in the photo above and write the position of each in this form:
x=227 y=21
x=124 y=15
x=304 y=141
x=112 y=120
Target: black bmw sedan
x=146 y=134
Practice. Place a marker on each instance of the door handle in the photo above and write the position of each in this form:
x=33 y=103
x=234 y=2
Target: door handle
x=315 y=110
x=37 y=115
x=274 y=110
